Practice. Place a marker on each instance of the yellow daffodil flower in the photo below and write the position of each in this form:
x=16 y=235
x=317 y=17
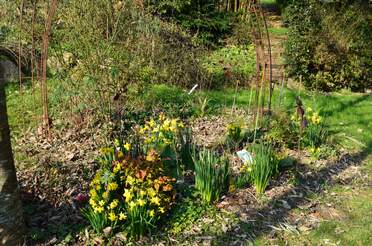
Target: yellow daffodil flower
x=152 y=123
x=122 y=216
x=155 y=200
x=156 y=129
x=152 y=213
x=105 y=195
x=112 y=186
x=92 y=202
x=120 y=154
x=127 y=146
x=162 y=117
x=151 y=192
x=112 y=216
x=162 y=210
x=93 y=193
x=117 y=168
x=141 y=202
x=166 y=125
x=130 y=180
x=101 y=203
x=98 y=209
x=128 y=195
x=132 y=205
x=114 y=203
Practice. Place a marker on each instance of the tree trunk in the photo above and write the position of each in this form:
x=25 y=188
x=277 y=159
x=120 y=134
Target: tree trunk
x=11 y=213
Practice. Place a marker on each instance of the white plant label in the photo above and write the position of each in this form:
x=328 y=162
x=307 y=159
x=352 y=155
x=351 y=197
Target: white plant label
x=245 y=156
x=193 y=89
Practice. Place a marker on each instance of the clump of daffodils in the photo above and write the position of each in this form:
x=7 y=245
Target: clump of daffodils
x=311 y=116
x=161 y=131
x=131 y=193
x=234 y=130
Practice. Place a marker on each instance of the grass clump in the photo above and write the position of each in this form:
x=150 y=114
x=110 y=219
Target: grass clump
x=211 y=175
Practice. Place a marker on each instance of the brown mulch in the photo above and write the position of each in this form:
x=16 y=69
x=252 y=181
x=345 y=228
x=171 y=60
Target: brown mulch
x=54 y=174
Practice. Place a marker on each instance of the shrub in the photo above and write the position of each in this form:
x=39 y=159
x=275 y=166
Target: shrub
x=329 y=44
x=130 y=193
x=282 y=133
x=211 y=175
x=170 y=99
x=226 y=65
x=200 y=17
x=265 y=165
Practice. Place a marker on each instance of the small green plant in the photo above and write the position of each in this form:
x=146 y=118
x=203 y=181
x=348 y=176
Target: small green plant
x=185 y=214
x=234 y=131
x=244 y=177
x=201 y=106
x=211 y=174
x=97 y=220
x=314 y=132
x=315 y=135
x=265 y=165
x=281 y=131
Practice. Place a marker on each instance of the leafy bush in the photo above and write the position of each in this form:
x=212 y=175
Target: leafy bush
x=200 y=17
x=229 y=64
x=211 y=174
x=171 y=99
x=265 y=165
x=282 y=132
x=129 y=192
x=329 y=44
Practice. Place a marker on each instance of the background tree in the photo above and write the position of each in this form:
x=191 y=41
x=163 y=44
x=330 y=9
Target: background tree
x=11 y=214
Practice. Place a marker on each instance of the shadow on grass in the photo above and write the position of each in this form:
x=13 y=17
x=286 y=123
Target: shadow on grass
x=310 y=182
x=342 y=104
